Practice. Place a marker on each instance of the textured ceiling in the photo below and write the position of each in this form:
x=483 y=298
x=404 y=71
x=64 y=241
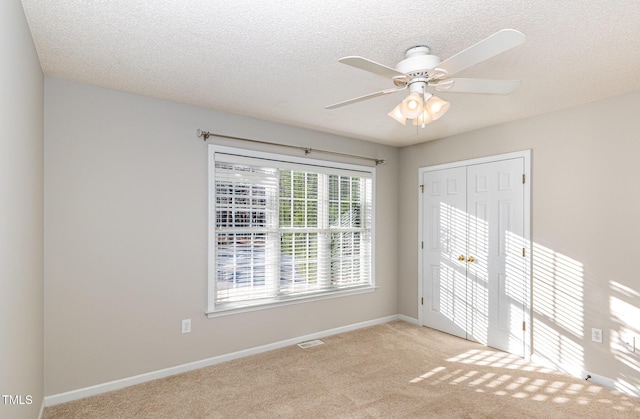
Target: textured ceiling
x=278 y=61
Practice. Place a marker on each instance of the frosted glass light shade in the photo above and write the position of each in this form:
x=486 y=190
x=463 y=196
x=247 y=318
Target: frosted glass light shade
x=411 y=106
x=437 y=107
x=397 y=115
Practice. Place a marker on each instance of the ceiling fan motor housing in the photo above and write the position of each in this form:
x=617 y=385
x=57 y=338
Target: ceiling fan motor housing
x=418 y=62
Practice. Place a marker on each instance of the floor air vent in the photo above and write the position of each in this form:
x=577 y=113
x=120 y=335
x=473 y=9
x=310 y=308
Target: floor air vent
x=305 y=345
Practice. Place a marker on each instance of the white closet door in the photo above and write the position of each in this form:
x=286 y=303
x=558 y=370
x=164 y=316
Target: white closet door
x=474 y=274
x=445 y=225
x=496 y=274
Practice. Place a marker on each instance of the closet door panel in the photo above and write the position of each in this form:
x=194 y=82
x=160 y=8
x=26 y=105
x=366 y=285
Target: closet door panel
x=495 y=201
x=445 y=228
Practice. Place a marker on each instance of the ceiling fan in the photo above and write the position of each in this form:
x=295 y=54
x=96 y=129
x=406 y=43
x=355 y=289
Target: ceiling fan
x=420 y=70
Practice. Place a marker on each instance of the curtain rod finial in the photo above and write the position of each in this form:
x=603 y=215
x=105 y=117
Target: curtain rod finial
x=204 y=134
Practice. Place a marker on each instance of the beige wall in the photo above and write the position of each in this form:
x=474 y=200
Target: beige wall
x=584 y=226
x=126 y=238
x=21 y=215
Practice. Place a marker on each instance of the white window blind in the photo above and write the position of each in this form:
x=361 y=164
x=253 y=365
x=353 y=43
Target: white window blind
x=283 y=230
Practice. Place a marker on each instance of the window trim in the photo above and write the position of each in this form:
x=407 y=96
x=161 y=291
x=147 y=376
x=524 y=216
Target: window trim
x=323 y=165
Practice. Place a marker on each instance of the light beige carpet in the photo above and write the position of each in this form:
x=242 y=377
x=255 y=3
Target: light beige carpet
x=394 y=370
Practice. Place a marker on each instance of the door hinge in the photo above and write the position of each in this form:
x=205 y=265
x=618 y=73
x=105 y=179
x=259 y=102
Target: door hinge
x=523 y=178
x=422 y=245
x=422 y=188
x=524 y=326
x=523 y=253
x=422 y=300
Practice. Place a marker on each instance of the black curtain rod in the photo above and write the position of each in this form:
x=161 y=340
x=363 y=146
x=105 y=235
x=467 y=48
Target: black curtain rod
x=307 y=150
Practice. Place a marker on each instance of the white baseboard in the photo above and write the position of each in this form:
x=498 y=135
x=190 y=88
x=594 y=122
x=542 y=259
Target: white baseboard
x=579 y=372
x=407 y=319
x=179 y=369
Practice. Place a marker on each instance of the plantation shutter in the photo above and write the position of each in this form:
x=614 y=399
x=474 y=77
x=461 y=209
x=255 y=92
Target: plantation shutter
x=350 y=227
x=303 y=245
x=287 y=230
x=246 y=233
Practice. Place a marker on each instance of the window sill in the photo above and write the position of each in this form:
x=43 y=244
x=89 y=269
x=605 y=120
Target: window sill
x=228 y=310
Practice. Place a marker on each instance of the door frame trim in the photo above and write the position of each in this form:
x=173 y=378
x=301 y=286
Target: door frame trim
x=528 y=300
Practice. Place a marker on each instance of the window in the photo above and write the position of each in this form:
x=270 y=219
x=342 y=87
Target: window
x=284 y=229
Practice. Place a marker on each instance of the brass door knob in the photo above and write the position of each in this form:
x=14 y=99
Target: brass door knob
x=471 y=259
x=461 y=258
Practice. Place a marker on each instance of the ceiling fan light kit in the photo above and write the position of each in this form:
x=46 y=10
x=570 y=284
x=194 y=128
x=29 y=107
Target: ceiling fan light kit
x=420 y=106
x=420 y=70
x=434 y=108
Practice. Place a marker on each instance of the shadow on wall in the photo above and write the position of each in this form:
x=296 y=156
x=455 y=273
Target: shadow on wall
x=559 y=332
x=626 y=336
x=558 y=290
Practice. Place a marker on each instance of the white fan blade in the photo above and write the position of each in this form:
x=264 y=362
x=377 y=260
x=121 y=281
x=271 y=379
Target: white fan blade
x=365 y=97
x=496 y=44
x=486 y=86
x=371 y=66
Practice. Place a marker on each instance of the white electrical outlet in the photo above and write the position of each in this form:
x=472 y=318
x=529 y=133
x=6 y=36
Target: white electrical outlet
x=628 y=341
x=596 y=335
x=186 y=326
